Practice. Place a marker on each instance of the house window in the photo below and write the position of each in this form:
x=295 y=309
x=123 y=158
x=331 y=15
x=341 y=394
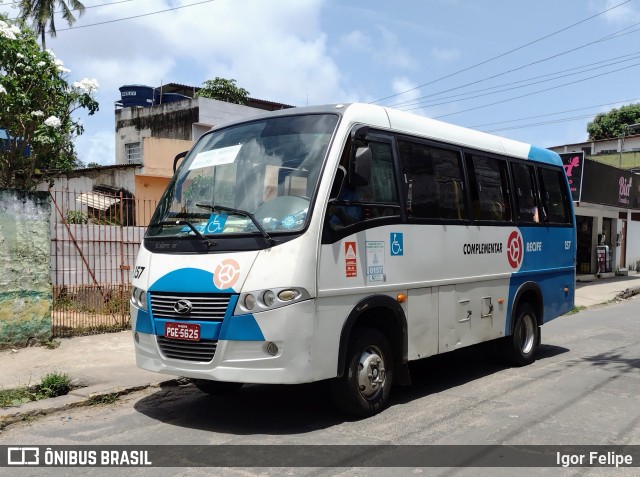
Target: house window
x=132 y=153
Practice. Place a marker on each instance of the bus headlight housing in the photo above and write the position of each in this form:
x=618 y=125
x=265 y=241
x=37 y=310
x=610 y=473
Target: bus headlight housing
x=269 y=299
x=249 y=301
x=139 y=298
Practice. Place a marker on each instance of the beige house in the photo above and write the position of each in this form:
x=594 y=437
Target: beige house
x=151 y=131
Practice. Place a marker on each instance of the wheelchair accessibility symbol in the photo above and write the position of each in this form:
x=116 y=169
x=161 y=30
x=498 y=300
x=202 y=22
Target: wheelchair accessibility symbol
x=216 y=223
x=397 y=247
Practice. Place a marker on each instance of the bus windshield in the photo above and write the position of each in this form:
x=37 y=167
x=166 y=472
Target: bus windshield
x=255 y=177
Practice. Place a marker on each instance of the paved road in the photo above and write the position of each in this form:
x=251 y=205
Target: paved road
x=584 y=389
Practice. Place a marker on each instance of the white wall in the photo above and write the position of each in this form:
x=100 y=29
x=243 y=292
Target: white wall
x=633 y=243
x=216 y=113
x=84 y=180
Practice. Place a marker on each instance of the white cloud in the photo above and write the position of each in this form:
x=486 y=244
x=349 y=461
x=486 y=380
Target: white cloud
x=407 y=95
x=274 y=49
x=357 y=41
x=444 y=54
x=391 y=53
x=622 y=15
x=384 y=48
x=99 y=147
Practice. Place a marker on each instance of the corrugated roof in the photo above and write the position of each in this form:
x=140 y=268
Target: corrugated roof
x=190 y=90
x=97 y=201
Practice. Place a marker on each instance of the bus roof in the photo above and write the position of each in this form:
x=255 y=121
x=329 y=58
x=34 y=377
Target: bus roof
x=412 y=124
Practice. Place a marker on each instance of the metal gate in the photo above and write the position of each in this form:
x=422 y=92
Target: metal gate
x=95 y=238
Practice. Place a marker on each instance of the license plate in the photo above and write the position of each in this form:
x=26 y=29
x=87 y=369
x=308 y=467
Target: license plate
x=182 y=331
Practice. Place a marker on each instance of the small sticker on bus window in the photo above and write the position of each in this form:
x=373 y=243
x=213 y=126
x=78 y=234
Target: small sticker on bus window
x=216 y=157
x=199 y=228
x=216 y=223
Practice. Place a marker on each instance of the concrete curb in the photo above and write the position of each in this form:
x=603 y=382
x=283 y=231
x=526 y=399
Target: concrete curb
x=79 y=397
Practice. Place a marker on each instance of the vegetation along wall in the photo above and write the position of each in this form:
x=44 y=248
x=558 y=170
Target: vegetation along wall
x=25 y=283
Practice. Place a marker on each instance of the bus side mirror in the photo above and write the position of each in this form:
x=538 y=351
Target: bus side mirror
x=360 y=170
x=177 y=158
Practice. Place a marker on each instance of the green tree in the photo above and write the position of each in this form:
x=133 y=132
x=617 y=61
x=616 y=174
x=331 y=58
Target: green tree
x=36 y=109
x=223 y=90
x=613 y=124
x=42 y=12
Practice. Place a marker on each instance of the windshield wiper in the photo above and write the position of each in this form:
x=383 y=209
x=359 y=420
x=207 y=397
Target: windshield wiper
x=244 y=213
x=207 y=241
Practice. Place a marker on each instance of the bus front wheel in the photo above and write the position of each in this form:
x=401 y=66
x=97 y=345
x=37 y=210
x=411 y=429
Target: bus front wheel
x=363 y=390
x=520 y=347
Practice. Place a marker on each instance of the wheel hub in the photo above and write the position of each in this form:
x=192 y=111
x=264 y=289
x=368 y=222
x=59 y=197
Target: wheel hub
x=371 y=372
x=527 y=334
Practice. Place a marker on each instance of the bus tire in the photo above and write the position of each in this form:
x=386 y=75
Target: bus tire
x=363 y=390
x=519 y=349
x=216 y=388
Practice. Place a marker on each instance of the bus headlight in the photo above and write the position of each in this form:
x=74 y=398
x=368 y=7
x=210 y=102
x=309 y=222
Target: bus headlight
x=139 y=298
x=249 y=301
x=269 y=299
x=288 y=294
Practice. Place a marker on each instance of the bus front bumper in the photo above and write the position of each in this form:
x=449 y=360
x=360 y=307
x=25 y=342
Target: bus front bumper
x=283 y=357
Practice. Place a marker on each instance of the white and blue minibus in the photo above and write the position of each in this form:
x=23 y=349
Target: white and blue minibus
x=342 y=242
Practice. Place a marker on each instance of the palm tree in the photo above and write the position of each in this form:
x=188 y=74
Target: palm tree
x=43 y=12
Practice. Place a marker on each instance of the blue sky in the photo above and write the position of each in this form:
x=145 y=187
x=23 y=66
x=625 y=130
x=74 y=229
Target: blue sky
x=433 y=57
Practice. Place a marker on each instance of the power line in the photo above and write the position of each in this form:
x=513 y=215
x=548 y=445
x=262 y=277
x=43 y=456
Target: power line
x=503 y=54
x=75 y=9
x=612 y=36
x=544 y=123
x=104 y=4
x=534 y=92
x=136 y=16
x=624 y=101
x=529 y=82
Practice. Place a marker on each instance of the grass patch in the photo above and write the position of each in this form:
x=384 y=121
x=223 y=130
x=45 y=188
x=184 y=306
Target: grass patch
x=104 y=399
x=52 y=385
x=52 y=344
x=576 y=309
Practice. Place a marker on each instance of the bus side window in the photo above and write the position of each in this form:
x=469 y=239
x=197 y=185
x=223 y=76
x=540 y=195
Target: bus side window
x=489 y=188
x=525 y=193
x=434 y=181
x=379 y=198
x=554 y=195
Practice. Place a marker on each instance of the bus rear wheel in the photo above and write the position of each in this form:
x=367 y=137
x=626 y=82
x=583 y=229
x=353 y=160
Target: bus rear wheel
x=363 y=390
x=519 y=349
x=216 y=388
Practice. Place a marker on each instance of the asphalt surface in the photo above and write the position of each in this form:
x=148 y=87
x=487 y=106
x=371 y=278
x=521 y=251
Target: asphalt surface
x=104 y=365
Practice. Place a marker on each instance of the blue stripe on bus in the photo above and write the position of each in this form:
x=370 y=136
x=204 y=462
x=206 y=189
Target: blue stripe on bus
x=551 y=268
x=241 y=327
x=194 y=280
x=187 y=280
x=143 y=322
x=544 y=155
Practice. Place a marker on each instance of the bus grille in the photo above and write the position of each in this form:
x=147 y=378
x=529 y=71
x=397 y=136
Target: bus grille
x=203 y=307
x=200 y=351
